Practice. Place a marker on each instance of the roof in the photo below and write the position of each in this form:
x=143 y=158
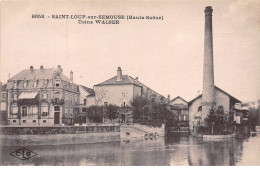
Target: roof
x=38 y=74
x=89 y=90
x=177 y=98
x=217 y=88
x=3 y=87
x=125 y=80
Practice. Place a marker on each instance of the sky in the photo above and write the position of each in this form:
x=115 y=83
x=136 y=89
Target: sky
x=166 y=55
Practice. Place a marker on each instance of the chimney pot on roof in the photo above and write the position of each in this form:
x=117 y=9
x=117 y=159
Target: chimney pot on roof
x=119 y=74
x=31 y=68
x=71 y=76
x=60 y=69
x=136 y=78
x=41 y=67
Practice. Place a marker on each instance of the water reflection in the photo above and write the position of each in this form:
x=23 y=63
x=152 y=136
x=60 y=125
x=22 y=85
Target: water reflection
x=172 y=150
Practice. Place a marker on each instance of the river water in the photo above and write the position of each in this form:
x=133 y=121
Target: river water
x=172 y=150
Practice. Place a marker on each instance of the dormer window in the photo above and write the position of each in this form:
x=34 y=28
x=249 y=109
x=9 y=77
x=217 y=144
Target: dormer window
x=57 y=83
x=35 y=83
x=25 y=83
x=15 y=84
x=45 y=82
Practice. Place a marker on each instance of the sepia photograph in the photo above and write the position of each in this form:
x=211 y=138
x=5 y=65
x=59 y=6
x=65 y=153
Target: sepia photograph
x=130 y=83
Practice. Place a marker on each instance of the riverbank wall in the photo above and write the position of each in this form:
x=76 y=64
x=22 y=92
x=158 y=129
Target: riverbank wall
x=58 y=135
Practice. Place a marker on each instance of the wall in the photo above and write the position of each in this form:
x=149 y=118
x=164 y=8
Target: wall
x=222 y=100
x=193 y=109
x=58 y=139
x=113 y=94
x=91 y=100
x=58 y=135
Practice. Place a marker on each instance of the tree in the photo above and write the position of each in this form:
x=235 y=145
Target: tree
x=149 y=112
x=111 y=111
x=95 y=114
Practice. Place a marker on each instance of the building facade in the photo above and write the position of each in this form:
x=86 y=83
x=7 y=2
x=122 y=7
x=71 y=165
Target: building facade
x=179 y=107
x=87 y=98
x=224 y=102
x=120 y=90
x=3 y=102
x=42 y=97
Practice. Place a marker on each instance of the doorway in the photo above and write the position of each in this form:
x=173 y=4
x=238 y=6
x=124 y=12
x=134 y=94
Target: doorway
x=56 y=114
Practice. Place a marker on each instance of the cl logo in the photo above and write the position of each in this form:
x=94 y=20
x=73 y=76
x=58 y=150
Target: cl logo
x=23 y=154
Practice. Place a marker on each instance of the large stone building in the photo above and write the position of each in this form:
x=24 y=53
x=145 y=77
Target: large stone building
x=42 y=97
x=121 y=89
x=224 y=102
x=3 y=102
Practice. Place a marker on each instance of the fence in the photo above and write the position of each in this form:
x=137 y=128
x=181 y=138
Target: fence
x=216 y=130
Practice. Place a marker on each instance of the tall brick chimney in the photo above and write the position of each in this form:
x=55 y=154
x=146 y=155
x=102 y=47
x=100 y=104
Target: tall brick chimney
x=119 y=74
x=208 y=92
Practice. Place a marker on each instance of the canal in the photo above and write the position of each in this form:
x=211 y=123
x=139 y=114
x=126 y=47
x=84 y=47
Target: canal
x=172 y=150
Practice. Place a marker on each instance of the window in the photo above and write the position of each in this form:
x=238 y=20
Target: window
x=3 y=106
x=15 y=96
x=34 y=121
x=45 y=95
x=124 y=94
x=84 y=109
x=35 y=110
x=15 y=110
x=66 y=111
x=105 y=103
x=57 y=83
x=85 y=102
x=14 y=121
x=45 y=111
x=15 y=84
x=44 y=121
x=24 y=111
x=57 y=96
x=200 y=108
x=44 y=82
x=71 y=110
x=24 y=121
x=3 y=96
x=25 y=84
x=35 y=83
x=56 y=108
x=105 y=94
x=75 y=99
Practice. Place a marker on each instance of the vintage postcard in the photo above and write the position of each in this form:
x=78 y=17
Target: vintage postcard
x=130 y=83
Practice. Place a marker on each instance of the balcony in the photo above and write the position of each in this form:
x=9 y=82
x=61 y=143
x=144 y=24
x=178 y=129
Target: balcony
x=57 y=101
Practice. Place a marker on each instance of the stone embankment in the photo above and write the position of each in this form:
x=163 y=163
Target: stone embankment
x=133 y=131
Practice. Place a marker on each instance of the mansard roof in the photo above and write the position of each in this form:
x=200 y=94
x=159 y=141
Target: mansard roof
x=39 y=74
x=125 y=80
